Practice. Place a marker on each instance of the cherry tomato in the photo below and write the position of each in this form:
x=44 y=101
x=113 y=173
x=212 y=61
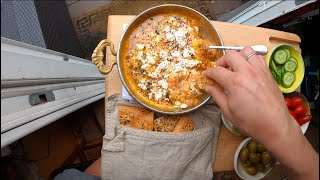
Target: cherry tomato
x=288 y=102
x=293 y=114
x=300 y=110
x=295 y=101
x=304 y=119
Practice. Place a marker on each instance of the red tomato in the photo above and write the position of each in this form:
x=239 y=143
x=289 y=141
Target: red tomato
x=293 y=114
x=295 y=101
x=304 y=119
x=300 y=110
x=288 y=102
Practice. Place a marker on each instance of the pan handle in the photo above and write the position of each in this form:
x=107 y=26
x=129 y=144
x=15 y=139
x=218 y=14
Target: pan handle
x=98 y=56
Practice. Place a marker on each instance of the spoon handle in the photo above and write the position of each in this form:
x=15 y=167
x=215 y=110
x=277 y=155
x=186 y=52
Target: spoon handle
x=259 y=49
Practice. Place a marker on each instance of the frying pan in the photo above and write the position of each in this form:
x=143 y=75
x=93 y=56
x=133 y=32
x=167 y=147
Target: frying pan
x=206 y=29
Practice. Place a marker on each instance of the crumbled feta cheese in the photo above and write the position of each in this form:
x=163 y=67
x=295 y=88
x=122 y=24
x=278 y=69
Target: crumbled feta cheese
x=143 y=81
x=166 y=76
x=139 y=55
x=182 y=43
x=145 y=66
x=183 y=106
x=188 y=52
x=163 y=54
x=142 y=86
x=153 y=75
x=151 y=59
x=163 y=65
x=180 y=37
x=170 y=36
x=163 y=83
x=175 y=54
x=177 y=103
x=158 y=94
x=184 y=29
x=196 y=28
x=185 y=63
x=139 y=47
x=177 y=67
x=167 y=29
x=192 y=63
x=190 y=29
x=172 y=19
x=180 y=34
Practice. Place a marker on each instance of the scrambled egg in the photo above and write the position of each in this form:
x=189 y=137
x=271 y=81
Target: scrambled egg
x=168 y=59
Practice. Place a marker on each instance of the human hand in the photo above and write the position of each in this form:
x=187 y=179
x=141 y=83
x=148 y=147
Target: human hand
x=250 y=98
x=248 y=95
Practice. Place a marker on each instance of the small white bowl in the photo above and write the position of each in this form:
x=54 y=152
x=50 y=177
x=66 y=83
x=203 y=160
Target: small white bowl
x=231 y=127
x=241 y=172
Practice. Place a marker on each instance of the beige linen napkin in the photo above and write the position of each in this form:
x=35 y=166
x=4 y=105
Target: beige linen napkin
x=129 y=153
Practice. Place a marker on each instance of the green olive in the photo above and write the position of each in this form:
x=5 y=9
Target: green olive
x=261 y=148
x=266 y=158
x=245 y=146
x=252 y=146
x=246 y=163
x=260 y=167
x=244 y=154
x=251 y=170
x=254 y=158
x=259 y=155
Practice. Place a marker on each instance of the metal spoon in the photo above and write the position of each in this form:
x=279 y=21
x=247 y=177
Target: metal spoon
x=259 y=49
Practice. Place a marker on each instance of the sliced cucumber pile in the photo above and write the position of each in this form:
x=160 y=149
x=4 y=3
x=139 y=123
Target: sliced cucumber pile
x=283 y=67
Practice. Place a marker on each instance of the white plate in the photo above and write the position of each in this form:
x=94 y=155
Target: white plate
x=230 y=126
x=237 y=132
x=304 y=127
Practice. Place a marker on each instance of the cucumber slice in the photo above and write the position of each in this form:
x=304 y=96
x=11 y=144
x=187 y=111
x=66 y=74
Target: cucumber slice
x=288 y=53
x=273 y=66
x=294 y=60
x=280 y=56
x=288 y=79
x=290 y=66
x=276 y=72
x=274 y=75
x=283 y=70
x=279 y=75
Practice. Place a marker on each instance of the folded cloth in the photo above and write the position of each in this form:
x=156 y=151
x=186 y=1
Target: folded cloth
x=74 y=174
x=129 y=153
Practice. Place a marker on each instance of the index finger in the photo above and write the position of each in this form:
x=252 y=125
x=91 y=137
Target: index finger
x=234 y=60
x=221 y=75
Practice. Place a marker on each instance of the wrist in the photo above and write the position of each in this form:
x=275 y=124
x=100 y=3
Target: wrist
x=280 y=134
x=293 y=150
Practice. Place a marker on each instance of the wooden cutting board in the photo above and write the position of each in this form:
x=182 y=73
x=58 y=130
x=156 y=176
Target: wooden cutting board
x=232 y=35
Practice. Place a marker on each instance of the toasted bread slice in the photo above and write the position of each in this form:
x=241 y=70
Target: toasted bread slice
x=128 y=114
x=144 y=122
x=165 y=123
x=185 y=124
